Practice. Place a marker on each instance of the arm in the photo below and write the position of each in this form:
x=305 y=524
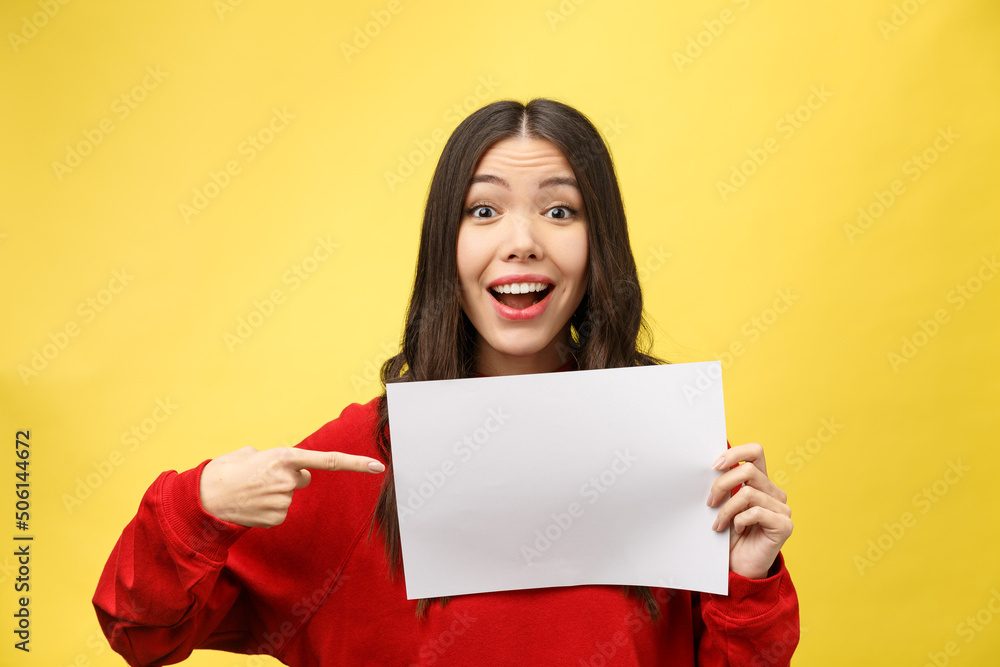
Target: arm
x=163 y=591
x=757 y=624
x=166 y=589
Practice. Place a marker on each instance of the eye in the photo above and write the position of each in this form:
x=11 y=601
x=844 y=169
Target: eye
x=481 y=211
x=561 y=212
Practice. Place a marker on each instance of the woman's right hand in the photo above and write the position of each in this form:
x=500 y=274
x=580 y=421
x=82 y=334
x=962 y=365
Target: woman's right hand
x=254 y=488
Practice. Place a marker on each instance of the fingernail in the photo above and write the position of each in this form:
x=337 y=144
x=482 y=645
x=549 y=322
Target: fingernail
x=719 y=463
x=715 y=525
x=375 y=466
x=711 y=497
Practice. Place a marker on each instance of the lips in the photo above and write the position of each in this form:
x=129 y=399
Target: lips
x=521 y=297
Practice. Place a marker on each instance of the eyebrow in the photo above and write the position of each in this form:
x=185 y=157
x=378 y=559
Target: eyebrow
x=547 y=183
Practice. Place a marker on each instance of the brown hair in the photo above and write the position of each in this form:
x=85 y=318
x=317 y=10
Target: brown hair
x=607 y=329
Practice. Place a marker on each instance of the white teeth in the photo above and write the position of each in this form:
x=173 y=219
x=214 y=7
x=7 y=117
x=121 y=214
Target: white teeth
x=519 y=288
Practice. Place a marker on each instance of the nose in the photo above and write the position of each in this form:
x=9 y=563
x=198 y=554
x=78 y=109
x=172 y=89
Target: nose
x=520 y=239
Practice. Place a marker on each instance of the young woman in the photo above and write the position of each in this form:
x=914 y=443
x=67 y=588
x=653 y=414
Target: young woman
x=524 y=267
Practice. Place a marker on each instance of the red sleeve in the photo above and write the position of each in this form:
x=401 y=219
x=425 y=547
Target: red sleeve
x=163 y=591
x=756 y=625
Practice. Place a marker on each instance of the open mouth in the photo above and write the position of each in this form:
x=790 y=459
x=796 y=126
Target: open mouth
x=520 y=295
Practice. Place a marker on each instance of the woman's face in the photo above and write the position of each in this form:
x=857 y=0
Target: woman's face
x=522 y=256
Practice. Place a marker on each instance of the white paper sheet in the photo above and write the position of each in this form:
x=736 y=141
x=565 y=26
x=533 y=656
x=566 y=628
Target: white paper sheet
x=560 y=479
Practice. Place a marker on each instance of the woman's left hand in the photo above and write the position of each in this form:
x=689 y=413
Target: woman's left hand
x=761 y=520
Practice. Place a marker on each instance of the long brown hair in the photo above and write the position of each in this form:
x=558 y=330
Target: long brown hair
x=607 y=329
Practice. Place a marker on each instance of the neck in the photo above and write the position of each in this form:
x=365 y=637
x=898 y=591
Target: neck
x=553 y=357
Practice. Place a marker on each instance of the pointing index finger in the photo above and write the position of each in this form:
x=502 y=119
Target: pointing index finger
x=316 y=460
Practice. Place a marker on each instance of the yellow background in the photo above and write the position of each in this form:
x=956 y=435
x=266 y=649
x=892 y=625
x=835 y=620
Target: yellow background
x=892 y=77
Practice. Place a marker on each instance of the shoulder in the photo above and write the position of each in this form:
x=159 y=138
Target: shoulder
x=353 y=432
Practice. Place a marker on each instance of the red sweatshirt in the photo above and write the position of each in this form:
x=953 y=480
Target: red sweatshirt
x=315 y=591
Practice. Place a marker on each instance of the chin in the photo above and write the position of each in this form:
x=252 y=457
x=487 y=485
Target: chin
x=519 y=348
x=526 y=344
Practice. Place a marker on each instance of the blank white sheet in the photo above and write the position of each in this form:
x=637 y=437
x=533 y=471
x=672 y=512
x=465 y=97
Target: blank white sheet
x=560 y=479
